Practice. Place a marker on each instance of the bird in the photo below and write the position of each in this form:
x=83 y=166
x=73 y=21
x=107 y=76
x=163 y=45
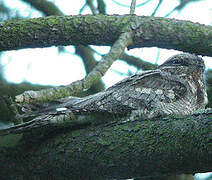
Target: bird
x=175 y=87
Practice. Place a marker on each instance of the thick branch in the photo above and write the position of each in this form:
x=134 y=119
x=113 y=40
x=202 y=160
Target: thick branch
x=117 y=150
x=104 y=30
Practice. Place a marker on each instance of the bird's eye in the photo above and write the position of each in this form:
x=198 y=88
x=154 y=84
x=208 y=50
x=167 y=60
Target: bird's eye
x=175 y=62
x=180 y=62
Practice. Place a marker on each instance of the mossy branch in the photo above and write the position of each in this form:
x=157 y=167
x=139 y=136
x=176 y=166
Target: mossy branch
x=105 y=30
x=127 y=149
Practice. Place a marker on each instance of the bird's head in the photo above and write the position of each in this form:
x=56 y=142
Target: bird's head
x=186 y=61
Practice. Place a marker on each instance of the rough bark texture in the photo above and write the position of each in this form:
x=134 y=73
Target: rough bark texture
x=116 y=150
x=104 y=30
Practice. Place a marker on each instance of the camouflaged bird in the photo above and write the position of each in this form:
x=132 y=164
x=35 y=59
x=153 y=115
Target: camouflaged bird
x=175 y=87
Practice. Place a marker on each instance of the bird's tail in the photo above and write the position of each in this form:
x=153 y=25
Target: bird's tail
x=49 y=114
x=43 y=121
x=27 y=126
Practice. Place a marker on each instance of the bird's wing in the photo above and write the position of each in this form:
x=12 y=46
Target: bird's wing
x=145 y=90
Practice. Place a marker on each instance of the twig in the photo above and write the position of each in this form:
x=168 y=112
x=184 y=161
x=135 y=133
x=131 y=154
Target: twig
x=87 y=55
x=137 y=62
x=89 y=3
x=45 y=6
x=156 y=9
x=91 y=6
x=132 y=7
x=132 y=60
x=101 y=6
x=51 y=94
x=124 y=5
x=82 y=8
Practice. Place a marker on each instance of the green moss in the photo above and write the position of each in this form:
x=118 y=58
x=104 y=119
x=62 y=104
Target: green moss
x=103 y=141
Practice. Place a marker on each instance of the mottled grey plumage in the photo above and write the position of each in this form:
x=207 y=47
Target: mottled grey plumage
x=175 y=87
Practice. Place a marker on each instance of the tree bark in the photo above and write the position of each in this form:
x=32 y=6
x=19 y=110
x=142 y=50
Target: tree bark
x=123 y=149
x=104 y=30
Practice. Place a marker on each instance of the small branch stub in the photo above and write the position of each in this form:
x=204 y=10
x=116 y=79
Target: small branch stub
x=132 y=7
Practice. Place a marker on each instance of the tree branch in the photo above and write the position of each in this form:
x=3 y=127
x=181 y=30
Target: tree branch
x=104 y=30
x=89 y=62
x=132 y=7
x=137 y=62
x=46 y=7
x=117 y=150
x=101 y=7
